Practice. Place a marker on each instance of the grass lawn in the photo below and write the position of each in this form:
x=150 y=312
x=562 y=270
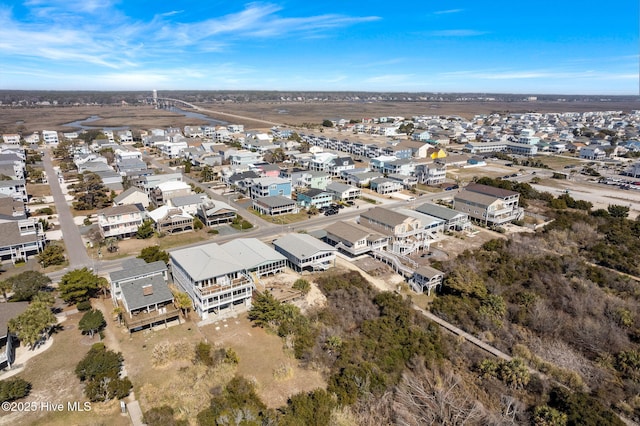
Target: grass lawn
x=133 y=246
x=38 y=190
x=558 y=163
x=284 y=219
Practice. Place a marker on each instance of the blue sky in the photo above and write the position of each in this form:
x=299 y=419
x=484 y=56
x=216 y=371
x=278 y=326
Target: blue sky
x=564 y=47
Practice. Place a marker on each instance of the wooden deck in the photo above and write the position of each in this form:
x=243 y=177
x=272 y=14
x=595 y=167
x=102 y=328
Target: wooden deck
x=143 y=319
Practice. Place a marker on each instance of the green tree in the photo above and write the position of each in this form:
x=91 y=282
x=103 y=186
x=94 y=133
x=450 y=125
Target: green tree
x=302 y=285
x=90 y=193
x=78 y=285
x=31 y=325
x=265 y=311
x=618 y=211
x=145 y=230
x=309 y=409
x=100 y=370
x=26 y=285
x=92 y=322
x=237 y=404
x=181 y=300
x=153 y=254
x=543 y=415
x=278 y=155
x=197 y=224
x=13 y=389
x=53 y=254
x=207 y=174
x=327 y=123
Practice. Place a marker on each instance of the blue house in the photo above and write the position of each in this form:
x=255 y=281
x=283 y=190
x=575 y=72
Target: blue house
x=315 y=197
x=270 y=186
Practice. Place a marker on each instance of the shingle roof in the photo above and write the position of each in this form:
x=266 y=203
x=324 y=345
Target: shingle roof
x=386 y=216
x=126 y=193
x=136 y=297
x=475 y=197
x=10 y=235
x=313 y=192
x=352 y=232
x=490 y=190
x=9 y=311
x=124 y=209
x=428 y=272
x=137 y=267
x=339 y=187
x=274 y=201
x=438 y=211
x=185 y=200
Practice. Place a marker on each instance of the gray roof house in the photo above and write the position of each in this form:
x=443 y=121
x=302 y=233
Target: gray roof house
x=353 y=238
x=306 y=252
x=426 y=278
x=147 y=302
x=275 y=205
x=134 y=269
x=454 y=220
x=7 y=344
x=20 y=239
x=216 y=212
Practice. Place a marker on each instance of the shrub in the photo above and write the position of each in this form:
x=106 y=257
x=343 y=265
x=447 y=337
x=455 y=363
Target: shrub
x=302 y=285
x=85 y=305
x=13 y=389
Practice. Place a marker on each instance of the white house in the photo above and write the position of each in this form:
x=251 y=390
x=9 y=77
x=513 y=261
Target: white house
x=50 y=137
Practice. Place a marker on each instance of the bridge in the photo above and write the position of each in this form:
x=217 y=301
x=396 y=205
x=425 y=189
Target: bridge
x=182 y=103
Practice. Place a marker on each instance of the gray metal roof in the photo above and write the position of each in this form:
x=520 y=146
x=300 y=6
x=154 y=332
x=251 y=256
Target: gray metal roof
x=302 y=246
x=251 y=252
x=133 y=268
x=206 y=261
x=133 y=292
x=438 y=211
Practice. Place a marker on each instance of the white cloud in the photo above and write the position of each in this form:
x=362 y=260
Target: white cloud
x=457 y=33
x=448 y=11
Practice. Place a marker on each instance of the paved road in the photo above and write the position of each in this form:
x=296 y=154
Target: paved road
x=76 y=250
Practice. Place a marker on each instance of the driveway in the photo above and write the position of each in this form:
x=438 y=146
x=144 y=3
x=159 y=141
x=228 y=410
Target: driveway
x=76 y=252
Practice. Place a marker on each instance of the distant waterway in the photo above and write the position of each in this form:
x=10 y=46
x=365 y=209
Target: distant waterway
x=84 y=123
x=81 y=124
x=192 y=114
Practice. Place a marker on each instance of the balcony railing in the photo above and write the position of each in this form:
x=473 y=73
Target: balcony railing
x=142 y=319
x=216 y=288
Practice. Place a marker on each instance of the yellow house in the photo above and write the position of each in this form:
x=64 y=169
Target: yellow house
x=435 y=153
